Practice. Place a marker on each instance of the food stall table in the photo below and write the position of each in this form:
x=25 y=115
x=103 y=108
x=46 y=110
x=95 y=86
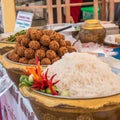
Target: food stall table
x=27 y=107
x=13 y=105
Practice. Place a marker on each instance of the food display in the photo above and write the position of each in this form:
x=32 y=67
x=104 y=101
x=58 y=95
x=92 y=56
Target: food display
x=48 y=45
x=75 y=75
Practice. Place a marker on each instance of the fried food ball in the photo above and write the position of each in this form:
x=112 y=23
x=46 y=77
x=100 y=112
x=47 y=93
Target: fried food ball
x=32 y=61
x=56 y=36
x=54 y=45
x=19 y=38
x=68 y=43
x=44 y=32
x=20 y=51
x=48 y=32
x=62 y=51
x=40 y=54
x=50 y=54
x=62 y=43
x=45 y=61
x=55 y=59
x=45 y=40
x=13 y=56
x=16 y=46
x=39 y=34
x=28 y=33
x=29 y=53
x=34 y=45
x=52 y=37
x=44 y=48
x=25 y=41
x=61 y=36
x=23 y=60
x=71 y=49
x=31 y=33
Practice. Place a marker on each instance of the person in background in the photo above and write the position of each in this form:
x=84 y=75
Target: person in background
x=75 y=10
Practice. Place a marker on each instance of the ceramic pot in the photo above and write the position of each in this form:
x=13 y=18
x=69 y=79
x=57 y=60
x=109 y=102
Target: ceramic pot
x=92 y=31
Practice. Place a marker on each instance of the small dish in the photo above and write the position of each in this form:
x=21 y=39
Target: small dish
x=112 y=39
x=4 y=37
x=14 y=69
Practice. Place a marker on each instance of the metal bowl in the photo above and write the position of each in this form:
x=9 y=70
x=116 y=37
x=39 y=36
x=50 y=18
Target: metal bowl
x=14 y=69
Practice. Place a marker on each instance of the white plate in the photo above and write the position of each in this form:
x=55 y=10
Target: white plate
x=4 y=36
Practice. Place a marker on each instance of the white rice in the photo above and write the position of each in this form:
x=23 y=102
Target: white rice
x=84 y=75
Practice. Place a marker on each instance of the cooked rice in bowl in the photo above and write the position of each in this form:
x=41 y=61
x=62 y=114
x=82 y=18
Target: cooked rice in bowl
x=84 y=75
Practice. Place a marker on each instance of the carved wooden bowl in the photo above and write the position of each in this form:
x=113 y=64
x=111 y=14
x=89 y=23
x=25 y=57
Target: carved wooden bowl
x=57 y=108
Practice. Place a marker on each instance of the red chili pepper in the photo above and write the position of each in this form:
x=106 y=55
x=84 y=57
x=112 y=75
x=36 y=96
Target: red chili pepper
x=41 y=80
x=52 y=90
x=38 y=85
x=39 y=69
x=55 y=82
x=36 y=60
x=46 y=74
x=51 y=86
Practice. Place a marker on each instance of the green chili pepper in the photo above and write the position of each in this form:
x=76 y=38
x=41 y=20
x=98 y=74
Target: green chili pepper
x=48 y=91
x=23 y=78
x=42 y=91
x=23 y=84
x=12 y=38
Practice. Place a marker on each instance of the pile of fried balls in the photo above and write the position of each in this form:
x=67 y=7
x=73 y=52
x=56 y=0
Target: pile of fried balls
x=47 y=45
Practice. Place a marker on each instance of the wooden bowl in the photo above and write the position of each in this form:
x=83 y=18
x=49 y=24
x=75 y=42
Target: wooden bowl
x=54 y=108
x=6 y=47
